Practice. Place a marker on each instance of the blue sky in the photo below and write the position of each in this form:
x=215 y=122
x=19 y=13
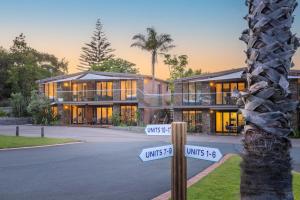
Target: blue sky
x=207 y=31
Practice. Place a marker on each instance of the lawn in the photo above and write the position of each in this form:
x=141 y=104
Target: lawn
x=223 y=183
x=13 y=141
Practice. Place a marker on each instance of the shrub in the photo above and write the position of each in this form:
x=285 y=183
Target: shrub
x=18 y=104
x=40 y=109
x=116 y=119
x=2 y=113
x=296 y=133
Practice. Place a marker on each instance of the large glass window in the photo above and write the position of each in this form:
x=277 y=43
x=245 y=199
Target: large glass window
x=229 y=122
x=128 y=114
x=77 y=115
x=79 y=91
x=50 y=90
x=104 y=90
x=128 y=90
x=104 y=115
x=193 y=118
x=224 y=91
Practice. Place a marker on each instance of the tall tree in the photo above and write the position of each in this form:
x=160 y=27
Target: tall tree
x=155 y=44
x=97 y=51
x=26 y=65
x=116 y=65
x=266 y=165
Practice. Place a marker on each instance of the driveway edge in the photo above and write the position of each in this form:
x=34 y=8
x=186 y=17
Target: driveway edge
x=196 y=178
x=42 y=146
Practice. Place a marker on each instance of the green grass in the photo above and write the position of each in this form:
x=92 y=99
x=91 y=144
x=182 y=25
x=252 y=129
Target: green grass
x=13 y=142
x=224 y=183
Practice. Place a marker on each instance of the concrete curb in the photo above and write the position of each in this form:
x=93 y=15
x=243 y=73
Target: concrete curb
x=196 y=178
x=34 y=147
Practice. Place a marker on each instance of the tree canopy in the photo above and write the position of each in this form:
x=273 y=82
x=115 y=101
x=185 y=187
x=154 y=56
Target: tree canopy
x=21 y=66
x=116 y=65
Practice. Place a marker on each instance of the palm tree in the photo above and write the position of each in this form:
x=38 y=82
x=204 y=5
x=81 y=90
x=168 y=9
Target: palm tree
x=155 y=44
x=266 y=164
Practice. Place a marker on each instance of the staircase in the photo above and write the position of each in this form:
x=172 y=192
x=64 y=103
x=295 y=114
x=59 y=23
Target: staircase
x=162 y=117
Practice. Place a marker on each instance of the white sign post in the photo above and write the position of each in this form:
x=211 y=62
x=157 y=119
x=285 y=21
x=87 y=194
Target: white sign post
x=203 y=153
x=158 y=129
x=155 y=153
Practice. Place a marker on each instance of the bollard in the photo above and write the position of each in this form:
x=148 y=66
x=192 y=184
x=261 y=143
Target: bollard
x=179 y=169
x=17 y=131
x=42 y=132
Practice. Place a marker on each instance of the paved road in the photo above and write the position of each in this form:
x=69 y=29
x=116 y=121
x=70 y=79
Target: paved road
x=105 y=167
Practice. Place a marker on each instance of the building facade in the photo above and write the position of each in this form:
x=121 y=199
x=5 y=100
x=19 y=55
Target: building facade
x=206 y=103
x=99 y=98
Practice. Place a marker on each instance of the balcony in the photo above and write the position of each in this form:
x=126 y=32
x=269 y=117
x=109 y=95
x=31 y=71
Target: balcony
x=95 y=95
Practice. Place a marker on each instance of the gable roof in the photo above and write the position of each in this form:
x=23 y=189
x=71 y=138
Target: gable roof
x=228 y=75
x=93 y=75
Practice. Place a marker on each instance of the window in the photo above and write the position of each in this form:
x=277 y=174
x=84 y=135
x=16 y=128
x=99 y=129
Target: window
x=224 y=90
x=128 y=90
x=50 y=90
x=104 y=90
x=193 y=118
x=104 y=115
x=128 y=114
x=77 y=115
x=229 y=122
x=79 y=91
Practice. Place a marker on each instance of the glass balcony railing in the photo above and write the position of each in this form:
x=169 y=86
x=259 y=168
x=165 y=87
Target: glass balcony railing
x=96 y=95
x=147 y=99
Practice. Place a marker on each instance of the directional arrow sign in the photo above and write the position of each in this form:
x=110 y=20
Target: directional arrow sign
x=203 y=153
x=155 y=153
x=158 y=129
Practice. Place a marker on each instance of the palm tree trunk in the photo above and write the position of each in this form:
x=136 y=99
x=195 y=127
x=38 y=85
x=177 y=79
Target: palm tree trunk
x=266 y=165
x=153 y=60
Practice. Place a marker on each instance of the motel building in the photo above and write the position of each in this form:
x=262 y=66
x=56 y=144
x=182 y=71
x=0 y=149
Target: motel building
x=205 y=101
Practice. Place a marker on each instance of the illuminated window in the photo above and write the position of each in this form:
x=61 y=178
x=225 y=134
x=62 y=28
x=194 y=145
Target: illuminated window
x=224 y=91
x=128 y=90
x=193 y=118
x=104 y=90
x=128 y=114
x=229 y=122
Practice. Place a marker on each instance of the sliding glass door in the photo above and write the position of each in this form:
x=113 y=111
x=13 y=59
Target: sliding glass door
x=104 y=115
x=229 y=122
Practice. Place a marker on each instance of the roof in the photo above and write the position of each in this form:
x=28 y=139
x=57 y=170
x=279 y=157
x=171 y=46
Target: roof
x=93 y=75
x=228 y=75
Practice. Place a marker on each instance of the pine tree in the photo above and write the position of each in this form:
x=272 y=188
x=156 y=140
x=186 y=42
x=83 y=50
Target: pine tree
x=97 y=51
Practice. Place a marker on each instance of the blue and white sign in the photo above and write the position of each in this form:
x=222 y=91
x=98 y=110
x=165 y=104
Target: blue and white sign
x=155 y=153
x=158 y=129
x=203 y=153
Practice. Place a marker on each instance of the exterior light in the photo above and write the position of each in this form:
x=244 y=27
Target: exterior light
x=211 y=111
x=66 y=107
x=66 y=84
x=211 y=84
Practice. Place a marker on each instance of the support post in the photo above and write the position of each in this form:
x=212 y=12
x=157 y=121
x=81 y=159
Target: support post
x=17 y=131
x=42 y=132
x=179 y=169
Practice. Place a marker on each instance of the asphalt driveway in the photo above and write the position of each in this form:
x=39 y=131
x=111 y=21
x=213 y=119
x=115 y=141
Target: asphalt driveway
x=105 y=167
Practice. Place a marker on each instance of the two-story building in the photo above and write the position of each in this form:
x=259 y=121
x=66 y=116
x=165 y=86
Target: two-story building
x=205 y=101
x=96 y=98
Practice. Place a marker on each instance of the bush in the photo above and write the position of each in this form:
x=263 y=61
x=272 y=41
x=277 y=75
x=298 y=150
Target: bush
x=18 y=104
x=2 y=113
x=116 y=119
x=40 y=109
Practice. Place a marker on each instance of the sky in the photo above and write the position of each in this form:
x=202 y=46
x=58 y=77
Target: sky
x=207 y=31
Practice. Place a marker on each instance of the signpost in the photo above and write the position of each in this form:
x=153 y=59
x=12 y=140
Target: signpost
x=158 y=129
x=155 y=153
x=179 y=151
x=203 y=153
